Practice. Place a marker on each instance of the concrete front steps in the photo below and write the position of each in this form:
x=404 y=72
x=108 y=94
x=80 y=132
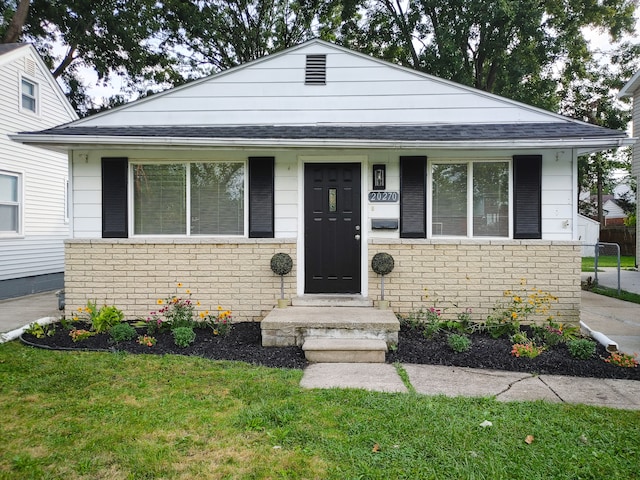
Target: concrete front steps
x=344 y=329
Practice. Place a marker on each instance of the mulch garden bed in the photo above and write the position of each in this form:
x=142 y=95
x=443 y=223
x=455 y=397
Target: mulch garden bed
x=243 y=343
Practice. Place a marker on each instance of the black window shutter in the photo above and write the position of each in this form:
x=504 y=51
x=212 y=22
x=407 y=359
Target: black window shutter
x=114 y=197
x=413 y=197
x=261 y=197
x=527 y=196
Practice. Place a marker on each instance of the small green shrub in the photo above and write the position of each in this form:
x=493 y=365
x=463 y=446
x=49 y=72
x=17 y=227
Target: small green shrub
x=183 y=336
x=459 y=343
x=107 y=317
x=122 y=332
x=41 y=331
x=581 y=348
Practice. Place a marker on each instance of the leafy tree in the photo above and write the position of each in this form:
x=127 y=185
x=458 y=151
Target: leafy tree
x=220 y=34
x=116 y=38
x=517 y=49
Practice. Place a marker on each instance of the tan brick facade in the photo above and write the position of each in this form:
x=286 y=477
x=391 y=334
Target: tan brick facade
x=460 y=274
x=134 y=274
x=457 y=274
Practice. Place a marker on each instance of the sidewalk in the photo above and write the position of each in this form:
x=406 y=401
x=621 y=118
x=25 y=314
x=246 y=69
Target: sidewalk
x=474 y=382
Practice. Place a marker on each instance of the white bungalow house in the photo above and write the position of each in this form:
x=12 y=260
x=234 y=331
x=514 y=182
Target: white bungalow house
x=34 y=220
x=632 y=90
x=330 y=156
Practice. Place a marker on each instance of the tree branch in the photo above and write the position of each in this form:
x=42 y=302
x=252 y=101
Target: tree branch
x=14 y=31
x=66 y=61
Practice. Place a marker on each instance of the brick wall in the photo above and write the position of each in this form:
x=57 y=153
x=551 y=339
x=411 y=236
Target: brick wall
x=457 y=274
x=134 y=274
x=460 y=274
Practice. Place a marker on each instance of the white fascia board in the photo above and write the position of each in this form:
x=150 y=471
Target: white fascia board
x=630 y=87
x=585 y=145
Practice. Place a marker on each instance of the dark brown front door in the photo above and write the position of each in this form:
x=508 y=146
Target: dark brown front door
x=332 y=227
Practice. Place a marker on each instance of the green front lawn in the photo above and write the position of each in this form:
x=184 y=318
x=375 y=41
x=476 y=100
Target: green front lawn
x=74 y=415
x=627 y=261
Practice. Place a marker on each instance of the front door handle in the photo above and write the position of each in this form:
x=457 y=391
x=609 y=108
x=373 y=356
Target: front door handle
x=357 y=237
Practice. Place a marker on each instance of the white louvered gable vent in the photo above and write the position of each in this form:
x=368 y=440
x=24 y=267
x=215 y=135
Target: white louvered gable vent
x=29 y=66
x=316 y=70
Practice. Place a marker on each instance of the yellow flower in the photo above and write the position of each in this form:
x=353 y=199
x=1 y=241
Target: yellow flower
x=201 y=314
x=159 y=301
x=188 y=291
x=79 y=309
x=219 y=307
x=198 y=303
x=206 y=312
x=514 y=315
x=517 y=299
x=179 y=285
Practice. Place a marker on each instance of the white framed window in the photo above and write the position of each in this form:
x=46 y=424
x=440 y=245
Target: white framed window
x=189 y=198
x=29 y=95
x=10 y=203
x=470 y=199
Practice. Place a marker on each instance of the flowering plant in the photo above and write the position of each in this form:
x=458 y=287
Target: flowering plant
x=147 y=340
x=518 y=307
x=177 y=311
x=174 y=311
x=219 y=322
x=528 y=350
x=78 y=334
x=623 y=360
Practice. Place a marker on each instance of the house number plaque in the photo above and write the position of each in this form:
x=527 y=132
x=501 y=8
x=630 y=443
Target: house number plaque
x=384 y=196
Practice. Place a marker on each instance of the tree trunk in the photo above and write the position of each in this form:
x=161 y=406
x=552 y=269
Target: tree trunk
x=13 y=33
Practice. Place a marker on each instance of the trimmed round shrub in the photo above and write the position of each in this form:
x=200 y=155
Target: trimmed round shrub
x=122 y=332
x=183 y=336
x=281 y=263
x=382 y=263
x=582 y=348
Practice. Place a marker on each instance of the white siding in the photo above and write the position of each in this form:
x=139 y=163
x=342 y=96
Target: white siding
x=359 y=90
x=39 y=248
x=558 y=202
x=636 y=133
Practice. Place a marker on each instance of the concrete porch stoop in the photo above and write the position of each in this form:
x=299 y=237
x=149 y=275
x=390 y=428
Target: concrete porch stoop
x=333 y=329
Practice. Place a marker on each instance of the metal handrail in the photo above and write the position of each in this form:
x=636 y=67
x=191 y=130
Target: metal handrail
x=595 y=261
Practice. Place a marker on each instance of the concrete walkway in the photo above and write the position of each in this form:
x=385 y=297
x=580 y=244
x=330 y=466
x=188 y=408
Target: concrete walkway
x=474 y=382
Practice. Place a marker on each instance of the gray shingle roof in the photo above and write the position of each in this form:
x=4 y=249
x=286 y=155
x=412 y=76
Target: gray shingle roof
x=441 y=132
x=8 y=47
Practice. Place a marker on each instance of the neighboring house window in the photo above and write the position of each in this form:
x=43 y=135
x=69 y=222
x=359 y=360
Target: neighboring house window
x=10 y=194
x=470 y=199
x=29 y=94
x=189 y=198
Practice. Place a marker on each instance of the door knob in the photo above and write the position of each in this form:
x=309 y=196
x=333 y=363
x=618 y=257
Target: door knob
x=357 y=237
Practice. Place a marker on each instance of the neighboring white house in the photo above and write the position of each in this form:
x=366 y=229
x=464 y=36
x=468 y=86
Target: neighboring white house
x=330 y=156
x=632 y=90
x=588 y=234
x=34 y=220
